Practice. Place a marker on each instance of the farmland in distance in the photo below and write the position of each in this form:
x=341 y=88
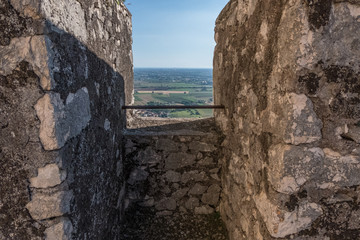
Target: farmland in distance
x=159 y=86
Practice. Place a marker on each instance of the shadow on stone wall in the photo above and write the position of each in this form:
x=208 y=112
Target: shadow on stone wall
x=173 y=172
x=54 y=87
x=174 y=167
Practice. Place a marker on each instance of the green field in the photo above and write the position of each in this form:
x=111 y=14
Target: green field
x=197 y=95
x=169 y=86
x=173 y=86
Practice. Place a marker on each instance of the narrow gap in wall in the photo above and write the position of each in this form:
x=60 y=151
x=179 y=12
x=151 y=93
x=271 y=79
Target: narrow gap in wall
x=173 y=45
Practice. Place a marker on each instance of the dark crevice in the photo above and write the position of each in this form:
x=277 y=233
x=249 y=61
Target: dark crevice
x=293 y=203
x=311 y=82
x=5 y=126
x=346 y=137
x=318 y=13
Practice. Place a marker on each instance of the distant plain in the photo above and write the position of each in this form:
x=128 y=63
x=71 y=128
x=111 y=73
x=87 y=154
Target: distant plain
x=171 y=86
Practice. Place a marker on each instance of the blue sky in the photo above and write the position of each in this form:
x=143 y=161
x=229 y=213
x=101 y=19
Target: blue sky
x=174 y=33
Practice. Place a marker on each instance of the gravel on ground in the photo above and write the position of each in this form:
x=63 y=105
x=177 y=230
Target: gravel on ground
x=145 y=224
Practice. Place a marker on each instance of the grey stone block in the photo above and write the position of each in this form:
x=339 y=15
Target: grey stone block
x=166 y=204
x=197 y=189
x=191 y=203
x=204 y=210
x=179 y=160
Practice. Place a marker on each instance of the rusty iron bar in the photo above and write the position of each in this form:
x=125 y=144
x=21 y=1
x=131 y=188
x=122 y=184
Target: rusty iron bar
x=175 y=107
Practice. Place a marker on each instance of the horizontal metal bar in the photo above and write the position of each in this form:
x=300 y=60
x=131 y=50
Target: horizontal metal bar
x=175 y=107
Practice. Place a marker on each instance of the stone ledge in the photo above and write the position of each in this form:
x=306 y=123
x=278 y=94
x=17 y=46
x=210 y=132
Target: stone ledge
x=184 y=132
x=171 y=127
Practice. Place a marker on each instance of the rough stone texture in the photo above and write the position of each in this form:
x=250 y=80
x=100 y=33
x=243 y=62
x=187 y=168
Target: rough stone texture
x=288 y=74
x=21 y=153
x=292 y=166
x=61 y=122
x=101 y=25
x=166 y=204
x=48 y=176
x=62 y=231
x=13 y=25
x=43 y=206
x=179 y=160
x=143 y=223
x=283 y=223
x=170 y=177
x=197 y=189
x=204 y=210
x=212 y=195
x=341 y=170
x=30 y=49
x=62 y=86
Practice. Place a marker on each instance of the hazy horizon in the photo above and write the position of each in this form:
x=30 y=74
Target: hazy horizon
x=176 y=67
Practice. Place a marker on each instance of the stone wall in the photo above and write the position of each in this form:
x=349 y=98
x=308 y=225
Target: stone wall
x=66 y=67
x=174 y=168
x=288 y=75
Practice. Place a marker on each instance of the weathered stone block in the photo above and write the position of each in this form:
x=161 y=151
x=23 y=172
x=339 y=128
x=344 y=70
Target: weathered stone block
x=202 y=147
x=166 y=145
x=281 y=223
x=236 y=169
x=301 y=124
x=180 y=193
x=137 y=175
x=179 y=160
x=204 y=210
x=30 y=49
x=148 y=156
x=61 y=122
x=339 y=170
x=210 y=198
x=215 y=177
x=67 y=15
x=194 y=176
x=48 y=176
x=172 y=176
x=166 y=204
x=43 y=207
x=212 y=195
x=197 y=189
x=59 y=231
x=206 y=161
x=291 y=166
x=191 y=203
